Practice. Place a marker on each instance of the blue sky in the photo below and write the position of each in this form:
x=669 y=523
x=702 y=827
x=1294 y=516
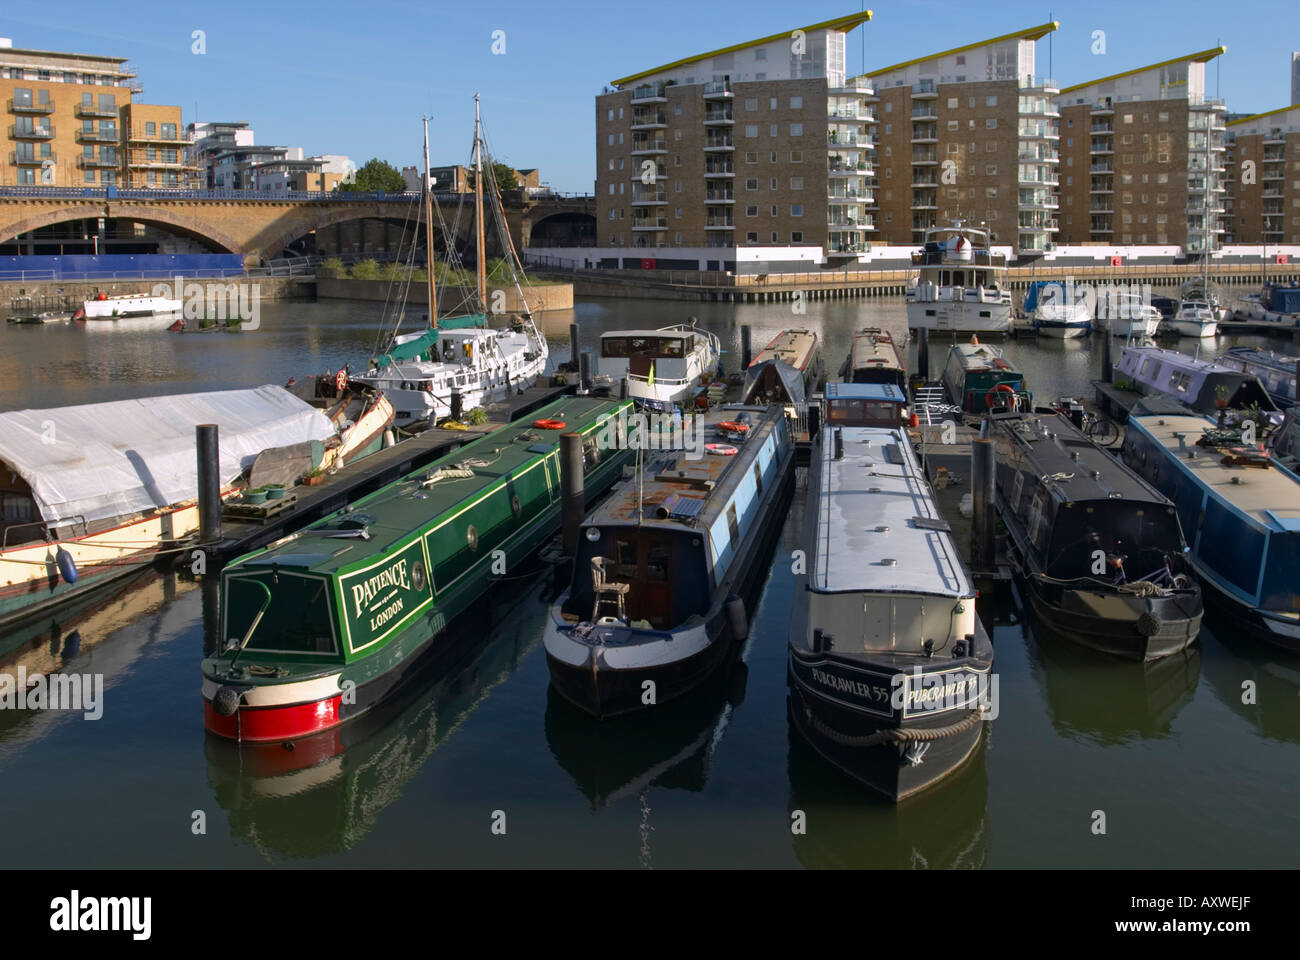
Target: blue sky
x=354 y=78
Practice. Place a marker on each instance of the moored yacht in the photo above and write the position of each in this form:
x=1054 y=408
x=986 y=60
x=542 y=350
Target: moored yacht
x=665 y=563
x=1058 y=310
x=1127 y=314
x=958 y=287
x=1099 y=550
x=663 y=367
x=1195 y=318
x=1275 y=304
x=146 y=312
x=888 y=662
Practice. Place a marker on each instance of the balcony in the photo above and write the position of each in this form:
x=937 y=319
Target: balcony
x=650 y=93
x=719 y=170
x=926 y=111
x=719 y=118
x=95 y=163
x=645 y=147
x=650 y=223
x=716 y=144
x=921 y=158
x=925 y=90
x=1106 y=127
x=1102 y=108
x=1102 y=148
x=1101 y=208
x=18 y=160
x=1039 y=155
x=30 y=107
x=921 y=180
x=719 y=223
x=846 y=196
x=649 y=199
x=660 y=173
x=1038 y=108
x=137 y=137
x=1273 y=174
x=1274 y=156
x=719 y=196
x=860 y=114
x=648 y=120
x=1102 y=187
x=858 y=141
x=860 y=169
x=92 y=111
x=718 y=90
x=854 y=85
x=97 y=136
x=36 y=132
x=924 y=134
x=1044 y=179
x=1275 y=138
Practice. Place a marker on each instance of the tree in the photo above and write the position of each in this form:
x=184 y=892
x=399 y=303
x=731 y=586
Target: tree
x=504 y=175
x=374 y=176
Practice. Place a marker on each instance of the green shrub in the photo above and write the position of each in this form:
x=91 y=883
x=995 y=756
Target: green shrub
x=365 y=270
x=477 y=417
x=332 y=267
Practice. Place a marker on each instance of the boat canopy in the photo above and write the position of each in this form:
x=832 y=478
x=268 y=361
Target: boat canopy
x=101 y=461
x=773 y=378
x=419 y=346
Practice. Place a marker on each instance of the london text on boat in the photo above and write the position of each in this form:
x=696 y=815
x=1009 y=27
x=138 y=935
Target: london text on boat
x=887 y=659
x=1100 y=550
x=958 y=285
x=322 y=624
x=664 y=566
x=1241 y=511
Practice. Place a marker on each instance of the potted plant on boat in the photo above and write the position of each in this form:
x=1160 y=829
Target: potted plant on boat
x=313 y=477
x=255 y=495
x=1221 y=396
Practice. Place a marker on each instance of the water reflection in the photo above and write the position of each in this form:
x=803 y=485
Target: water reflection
x=1103 y=699
x=1256 y=682
x=848 y=826
x=328 y=792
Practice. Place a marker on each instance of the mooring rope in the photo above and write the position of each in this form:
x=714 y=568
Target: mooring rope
x=894 y=735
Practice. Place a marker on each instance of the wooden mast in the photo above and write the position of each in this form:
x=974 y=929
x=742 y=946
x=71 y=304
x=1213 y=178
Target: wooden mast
x=428 y=233
x=479 y=244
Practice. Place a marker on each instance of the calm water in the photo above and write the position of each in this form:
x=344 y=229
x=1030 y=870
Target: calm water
x=1187 y=775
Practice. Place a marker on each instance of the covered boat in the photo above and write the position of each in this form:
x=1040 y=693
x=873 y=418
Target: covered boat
x=1100 y=550
x=1058 y=310
x=664 y=567
x=1276 y=303
x=1241 y=511
x=1203 y=385
x=92 y=492
x=323 y=624
x=977 y=377
x=786 y=371
x=887 y=659
x=874 y=358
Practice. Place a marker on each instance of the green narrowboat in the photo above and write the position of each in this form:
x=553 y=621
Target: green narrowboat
x=324 y=623
x=978 y=378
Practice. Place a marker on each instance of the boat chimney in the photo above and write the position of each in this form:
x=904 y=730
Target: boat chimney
x=839 y=443
x=584 y=372
x=665 y=509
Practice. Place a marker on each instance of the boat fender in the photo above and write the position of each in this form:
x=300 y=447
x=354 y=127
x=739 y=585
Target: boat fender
x=736 y=616
x=226 y=702
x=67 y=566
x=549 y=424
x=1148 y=625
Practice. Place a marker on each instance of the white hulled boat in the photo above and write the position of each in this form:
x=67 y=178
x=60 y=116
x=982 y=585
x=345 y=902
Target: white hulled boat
x=958 y=284
x=146 y=313
x=1195 y=318
x=1128 y=315
x=663 y=367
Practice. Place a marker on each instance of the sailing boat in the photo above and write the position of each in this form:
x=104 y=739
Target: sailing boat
x=1199 y=312
x=460 y=362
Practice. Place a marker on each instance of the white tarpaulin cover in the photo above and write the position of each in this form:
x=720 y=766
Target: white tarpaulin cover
x=106 y=460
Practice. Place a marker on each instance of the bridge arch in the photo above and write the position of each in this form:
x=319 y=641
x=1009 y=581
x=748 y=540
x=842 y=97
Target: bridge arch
x=204 y=233
x=565 y=227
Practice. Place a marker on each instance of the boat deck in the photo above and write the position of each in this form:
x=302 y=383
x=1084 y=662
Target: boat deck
x=795 y=347
x=948 y=468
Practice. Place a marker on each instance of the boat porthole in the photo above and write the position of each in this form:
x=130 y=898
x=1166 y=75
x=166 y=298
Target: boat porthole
x=471 y=536
x=515 y=507
x=417 y=577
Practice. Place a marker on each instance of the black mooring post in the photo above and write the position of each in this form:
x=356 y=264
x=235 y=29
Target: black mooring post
x=1107 y=371
x=584 y=371
x=573 y=345
x=746 y=352
x=209 y=462
x=573 y=497
x=983 y=502
x=457 y=405
x=923 y=352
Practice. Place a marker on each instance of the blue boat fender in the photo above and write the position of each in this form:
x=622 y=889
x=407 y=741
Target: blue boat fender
x=67 y=566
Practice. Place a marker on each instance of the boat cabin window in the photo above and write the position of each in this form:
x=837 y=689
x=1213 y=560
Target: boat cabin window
x=1179 y=381
x=298 y=619
x=657 y=563
x=1149 y=366
x=646 y=346
x=625 y=552
x=670 y=348
x=864 y=413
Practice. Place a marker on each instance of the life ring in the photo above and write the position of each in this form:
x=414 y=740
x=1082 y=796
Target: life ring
x=733 y=426
x=341 y=379
x=1000 y=388
x=721 y=449
x=549 y=424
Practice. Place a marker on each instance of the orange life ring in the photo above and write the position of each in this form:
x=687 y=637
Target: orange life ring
x=549 y=424
x=721 y=449
x=733 y=426
x=1000 y=388
x=341 y=379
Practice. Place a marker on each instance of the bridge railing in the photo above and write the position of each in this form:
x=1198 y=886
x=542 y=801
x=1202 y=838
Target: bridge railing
x=178 y=193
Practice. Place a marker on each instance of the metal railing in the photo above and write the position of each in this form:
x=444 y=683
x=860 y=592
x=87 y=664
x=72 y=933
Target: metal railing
x=183 y=193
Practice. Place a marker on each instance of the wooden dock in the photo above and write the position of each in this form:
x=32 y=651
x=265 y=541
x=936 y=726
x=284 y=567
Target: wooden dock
x=948 y=468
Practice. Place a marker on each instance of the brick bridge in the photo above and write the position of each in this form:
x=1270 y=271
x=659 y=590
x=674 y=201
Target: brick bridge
x=261 y=225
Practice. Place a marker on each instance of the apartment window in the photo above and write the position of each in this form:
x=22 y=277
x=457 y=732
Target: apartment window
x=889 y=151
x=889 y=217
x=990 y=146
x=772 y=157
x=677 y=110
x=677 y=186
x=775 y=239
x=677 y=213
x=751 y=184
x=677 y=134
x=1128 y=118
x=1069 y=181
x=620 y=187
x=771 y=103
x=991 y=123
x=991 y=193
x=774 y=184
x=611 y=140
x=752 y=210
x=1162 y=218
x=990 y=101
x=954 y=125
x=970 y=148
x=620 y=138
x=611 y=209
x=621 y=161
x=796 y=156
x=760 y=76
x=1126 y=139
x=611 y=163
x=796 y=183
x=69 y=78
x=991 y=170
x=796 y=236
x=611 y=189
x=751 y=103
x=751 y=238
x=889 y=106
x=1162 y=117
x=611 y=114
x=1162 y=138
x=751 y=130
x=620 y=113
x=775 y=210
x=953 y=193
x=1126 y=159
x=677 y=159
x=1162 y=158
x=970 y=103
x=751 y=157
x=889 y=173
x=796 y=129
x=952 y=103
x=1126 y=178
x=760 y=54
x=773 y=129
x=796 y=103
x=677 y=238
x=1126 y=197
x=970 y=124
x=954 y=148
x=15 y=73
x=89 y=177
x=796 y=209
